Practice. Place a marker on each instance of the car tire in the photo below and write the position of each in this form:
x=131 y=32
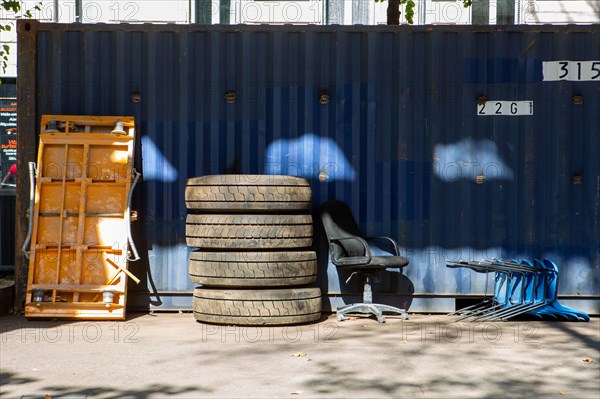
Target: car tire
x=253 y=269
x=247 y=193
x=254 y=232
x=257 y=307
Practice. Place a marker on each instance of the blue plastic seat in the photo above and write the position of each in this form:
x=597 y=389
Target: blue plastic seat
x=525 y=288
x=554 y=307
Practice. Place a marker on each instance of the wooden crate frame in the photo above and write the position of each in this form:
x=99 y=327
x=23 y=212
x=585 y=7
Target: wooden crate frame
x=79 y=233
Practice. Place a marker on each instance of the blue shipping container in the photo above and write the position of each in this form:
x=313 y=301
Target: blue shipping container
x=460 y=142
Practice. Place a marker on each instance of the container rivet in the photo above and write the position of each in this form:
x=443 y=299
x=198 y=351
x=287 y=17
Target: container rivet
x=324 y=97
x=230 y=97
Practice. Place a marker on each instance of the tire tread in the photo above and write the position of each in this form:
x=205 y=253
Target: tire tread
x=252 y=269
x=250 y=193
x=252 y=307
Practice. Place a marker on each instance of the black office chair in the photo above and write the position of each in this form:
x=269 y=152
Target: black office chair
x=350 y=251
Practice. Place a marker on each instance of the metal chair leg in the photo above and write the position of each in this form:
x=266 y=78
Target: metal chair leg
x=368 y=307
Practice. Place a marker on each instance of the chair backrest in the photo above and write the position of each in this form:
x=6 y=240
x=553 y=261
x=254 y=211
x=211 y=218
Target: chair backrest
x=552 y=287
x=338 y=222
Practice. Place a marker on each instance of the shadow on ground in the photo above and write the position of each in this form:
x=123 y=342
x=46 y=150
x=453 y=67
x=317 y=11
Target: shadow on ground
x=10 y=380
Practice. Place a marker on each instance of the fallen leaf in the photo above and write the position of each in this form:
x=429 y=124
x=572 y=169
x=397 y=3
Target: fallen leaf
x=562 y=393
x=299 y=354
x=587 y=360
x=297 y=393
x=403 y=342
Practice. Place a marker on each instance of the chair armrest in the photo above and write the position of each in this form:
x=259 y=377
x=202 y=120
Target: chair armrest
x=351 y=260
x=479 y=268
x=389 y=240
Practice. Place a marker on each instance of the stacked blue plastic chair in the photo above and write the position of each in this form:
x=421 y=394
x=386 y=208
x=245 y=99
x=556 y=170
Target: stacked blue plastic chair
x=520 y=288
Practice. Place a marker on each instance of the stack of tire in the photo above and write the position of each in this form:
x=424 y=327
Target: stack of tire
x=253 y=262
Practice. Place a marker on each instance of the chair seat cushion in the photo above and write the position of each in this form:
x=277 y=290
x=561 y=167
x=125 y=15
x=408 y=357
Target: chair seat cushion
x=380 y=262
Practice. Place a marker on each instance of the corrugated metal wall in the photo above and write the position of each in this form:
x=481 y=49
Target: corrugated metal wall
x=400 y=138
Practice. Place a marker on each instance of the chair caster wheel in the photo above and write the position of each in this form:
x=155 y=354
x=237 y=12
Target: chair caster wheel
x=381 y=319
x=340 y=317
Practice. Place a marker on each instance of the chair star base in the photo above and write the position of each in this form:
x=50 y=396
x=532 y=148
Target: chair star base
x=370 y=308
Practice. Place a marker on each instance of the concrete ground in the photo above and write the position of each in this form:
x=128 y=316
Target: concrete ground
x=171 y=355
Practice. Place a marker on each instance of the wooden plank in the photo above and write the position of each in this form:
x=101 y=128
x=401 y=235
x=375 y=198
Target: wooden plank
x=76 y=288
x=89 y=120
x=110 y=139
x=71 y=214
x=104 y=248
x=82 y=313
x=62 y=216
x=74 y=306
x=48 y=181
x=124 y=270
x=82 y=138
x=81 y=221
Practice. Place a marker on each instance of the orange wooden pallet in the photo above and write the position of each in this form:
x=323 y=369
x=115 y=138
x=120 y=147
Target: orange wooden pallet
x=80 y=229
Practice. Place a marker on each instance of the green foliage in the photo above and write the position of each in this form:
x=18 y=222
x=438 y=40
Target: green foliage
x=15 y=7
x=409 y=8
x=11 y=5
